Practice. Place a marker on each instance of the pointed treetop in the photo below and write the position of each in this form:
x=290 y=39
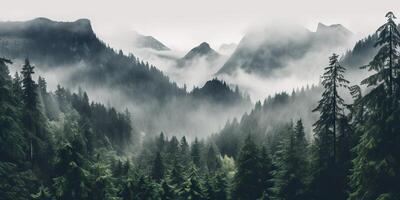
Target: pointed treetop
x=390 y=15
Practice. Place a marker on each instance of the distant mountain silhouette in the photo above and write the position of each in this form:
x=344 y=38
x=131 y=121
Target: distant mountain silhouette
x=218 y=91
x=59 y=44
x=263 y=51
x=142 y=41
x=203 y=51
x=73 y=47
x=50 y=44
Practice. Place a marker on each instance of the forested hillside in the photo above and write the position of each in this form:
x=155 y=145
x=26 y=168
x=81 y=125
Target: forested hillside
x=310 y=145
x=72 y=54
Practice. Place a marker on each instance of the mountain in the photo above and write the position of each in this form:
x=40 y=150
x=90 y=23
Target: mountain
x=218 y=91
x=74 y=45
x=362 y=52
x=203 y=51
x=70 y=54
x=337 y=30
x=46 y=41
x=261 y=51
x=143 y=41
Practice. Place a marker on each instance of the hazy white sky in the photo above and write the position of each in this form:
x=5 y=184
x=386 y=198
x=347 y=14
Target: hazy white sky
x=182 y=24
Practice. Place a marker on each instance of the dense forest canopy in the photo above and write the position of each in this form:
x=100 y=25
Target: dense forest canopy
x=312 y=144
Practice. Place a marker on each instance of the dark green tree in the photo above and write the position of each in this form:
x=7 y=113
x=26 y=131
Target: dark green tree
x=331 y=108
x=158 y=168
x=192 y=187
x=213 y=161
x=168 y=192
x=247 y=183
x=376 y=167
x=195 y=153
x=290 y=176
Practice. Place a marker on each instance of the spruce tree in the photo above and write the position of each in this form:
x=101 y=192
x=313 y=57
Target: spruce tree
x=376 y=167
x=213 y=161
x=12 y=142
x=331 y=108
x=331 y=105
x=168 y=192
x=195 y=153
x=157 y=172
x=290 y=176
x=184 y=153
x=192 y=187
x=247 y=183
x=29 y=87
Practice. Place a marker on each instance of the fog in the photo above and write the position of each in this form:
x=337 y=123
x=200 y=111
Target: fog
x=200 y=118
x=296 y=73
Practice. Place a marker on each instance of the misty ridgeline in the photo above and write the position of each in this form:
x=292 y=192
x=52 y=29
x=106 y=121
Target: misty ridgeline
x=312 y=144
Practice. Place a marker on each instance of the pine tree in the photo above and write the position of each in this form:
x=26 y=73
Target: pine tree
x=172 y=151
x=161 y=142
x=177 y=174
x=247 y=183
x=213 y=161
x=101 y=187
x=31 y=112
x=195 y=153
x=168 y=192
x=17 y=87
x=376 y=167
x=29 y=87
x=331 y=108
x=192 y=188
x=14 y=183
x=290 y=176
x=184 y=152
x=157 y=172
x=12 y=143
x=221 y=186
x=265 y=173
x=72 y=179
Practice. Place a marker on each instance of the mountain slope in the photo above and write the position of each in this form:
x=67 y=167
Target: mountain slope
x=143 y=41
x=263 y=51
x=203 y=51
x=362 y=52
x=219 y=92
x=69 y=53
x=51 y=44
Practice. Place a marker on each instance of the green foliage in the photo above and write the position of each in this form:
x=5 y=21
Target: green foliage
x=376 y=172
x=291 y=162
x=250 y=179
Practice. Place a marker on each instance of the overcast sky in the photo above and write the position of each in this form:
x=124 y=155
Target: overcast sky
x=182 y=24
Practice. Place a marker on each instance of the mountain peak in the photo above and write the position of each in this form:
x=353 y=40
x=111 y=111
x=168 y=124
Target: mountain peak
x=144 y=41
x=204 y=45
x=203 y=49
x=338 y=28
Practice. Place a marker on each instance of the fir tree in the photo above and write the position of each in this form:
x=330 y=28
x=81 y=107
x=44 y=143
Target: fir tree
x=168 y=192
x=376 y=171
x=195 y=153
x=192 y=188
x=247 y=182
x=290 y=176
x=158 y=168
x=331 y=108
x=213 y=161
